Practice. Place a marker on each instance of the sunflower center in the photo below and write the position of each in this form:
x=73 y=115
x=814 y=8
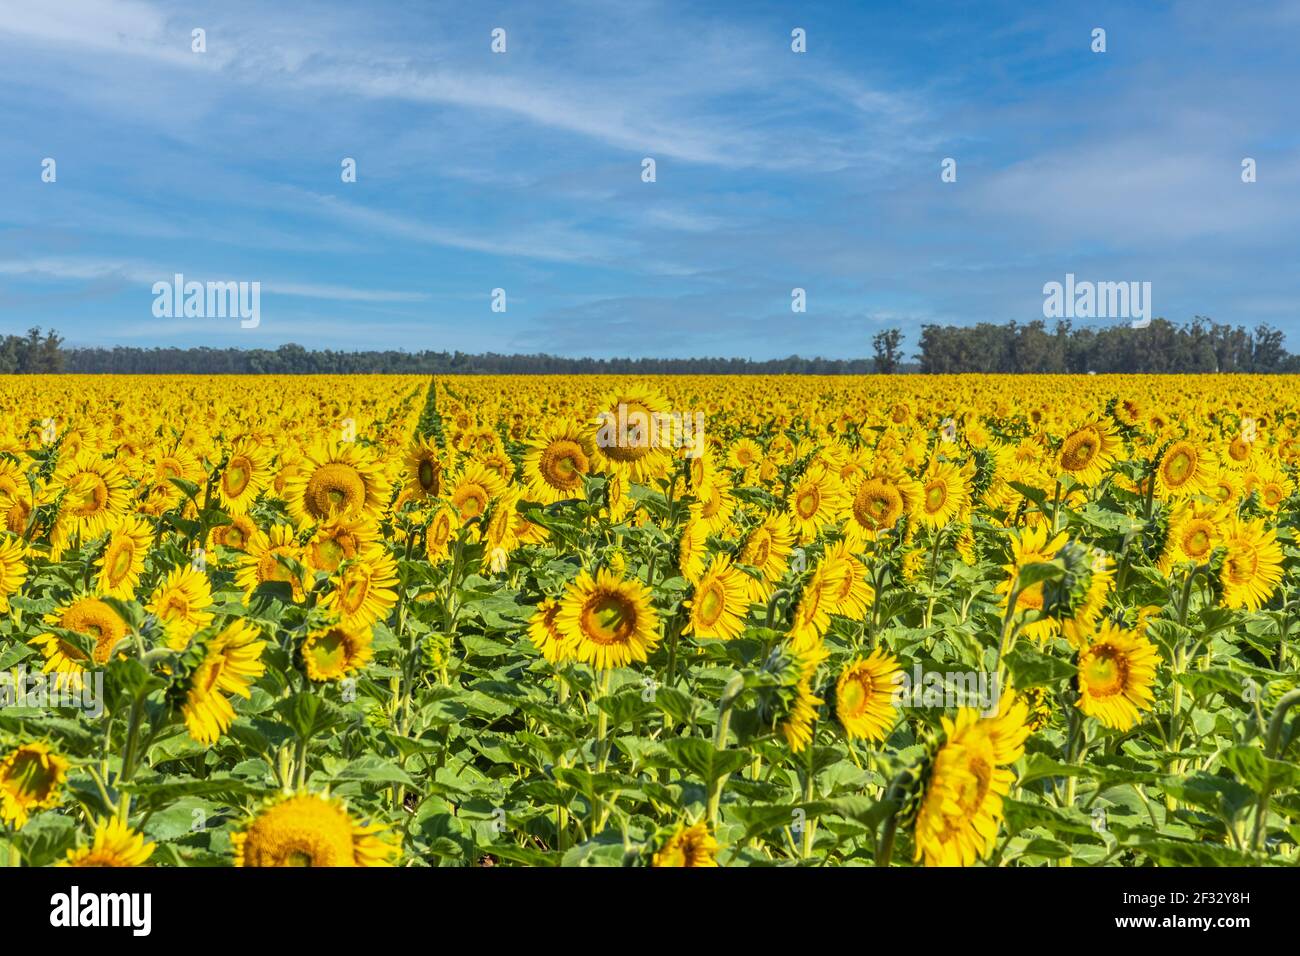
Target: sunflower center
x=710 y=605
x=235 y=480
x=335 y=488
x=936 y=495
x=88 y=494
x=563 y=464
x=608 y=619
x=1106 y=672
x=808 y=501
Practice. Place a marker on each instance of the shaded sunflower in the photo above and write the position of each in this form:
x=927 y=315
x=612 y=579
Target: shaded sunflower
x=261 y=565
x=362 y=591
x=333 y=653
x=425 y=470
x=767 y=548
x=85 y=615
x=544 y=632
x=1088 y=452
x=31 y=776
x=441 y=532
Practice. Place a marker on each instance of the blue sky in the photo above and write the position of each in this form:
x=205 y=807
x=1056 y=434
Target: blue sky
x=522 y=170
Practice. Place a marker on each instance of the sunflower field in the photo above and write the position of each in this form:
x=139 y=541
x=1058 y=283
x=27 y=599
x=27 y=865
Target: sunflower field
x=676 y=621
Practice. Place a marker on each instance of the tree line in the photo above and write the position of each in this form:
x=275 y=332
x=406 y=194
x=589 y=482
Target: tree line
x=1200 y=345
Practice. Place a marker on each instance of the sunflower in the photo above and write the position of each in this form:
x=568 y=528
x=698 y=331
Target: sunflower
x=816 y=501
x=961 y=808
x=94 y=493
x=474 y=488
x=499 y=538
x=714 y=504
x=15 y=497
x=246 y=475
x=692 y=552
x=1031 y=546
x=180 y=463
x=307 y=829
x=796 y=726
x=336 y=541
x=13 y=568
x=1117 y=669
x=812 y=615
x=942 y=496
x=848 y=592
x=30 y=778
x=767 y=549
x=720 y=602
x=334 y=653
x=180 y=603
x=261 y=563
x=1193 y=534
x=627 y=437
x=424 y=468
x=1087 y=453
x=362 y=591
x=1185 y=469
x=230 y=662
x=545 y=634
x=122 y=562
x=336 y=480
x=744 y=454
x=556 y=462
x=85 y=615
x=440 y=533
x=236 y=535
x=864 y=696
x=689 y=846
x=609 y=620
x=1252 y=566
x=1270 y=485
x=878 y=503
x=113 y=844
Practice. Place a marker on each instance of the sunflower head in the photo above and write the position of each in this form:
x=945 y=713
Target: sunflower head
x=308 y=829
x=31 y=779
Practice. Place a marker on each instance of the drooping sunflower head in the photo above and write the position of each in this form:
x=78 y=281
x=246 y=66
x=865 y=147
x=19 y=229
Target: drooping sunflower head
x=692 y=551
x=312 y=830
x=336 y=541
x=440 y=533
x=224 y=664
x=262 y=562
x=767 y=549
x=848 y=592
x=236 y=535
x=608 y=619
x=31 y=779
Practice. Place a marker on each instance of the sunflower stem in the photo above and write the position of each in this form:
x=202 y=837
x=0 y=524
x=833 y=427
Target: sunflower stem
x=1275 y=725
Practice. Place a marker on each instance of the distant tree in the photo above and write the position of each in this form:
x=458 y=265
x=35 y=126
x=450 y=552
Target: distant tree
x=889 y=352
